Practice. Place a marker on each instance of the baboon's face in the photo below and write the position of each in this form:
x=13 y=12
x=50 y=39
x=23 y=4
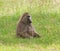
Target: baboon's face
x=27 y=19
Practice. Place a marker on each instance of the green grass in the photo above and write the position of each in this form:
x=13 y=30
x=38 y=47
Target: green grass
x=46 y=20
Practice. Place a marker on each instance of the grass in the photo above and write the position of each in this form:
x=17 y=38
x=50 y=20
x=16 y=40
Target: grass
x=46 y=20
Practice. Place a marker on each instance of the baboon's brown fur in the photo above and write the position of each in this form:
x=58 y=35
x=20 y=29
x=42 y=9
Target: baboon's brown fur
x=25 y=28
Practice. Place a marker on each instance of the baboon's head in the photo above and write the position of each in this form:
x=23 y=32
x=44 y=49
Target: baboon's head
x=26 y=18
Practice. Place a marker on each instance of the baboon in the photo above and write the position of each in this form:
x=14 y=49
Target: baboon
x=25 y=28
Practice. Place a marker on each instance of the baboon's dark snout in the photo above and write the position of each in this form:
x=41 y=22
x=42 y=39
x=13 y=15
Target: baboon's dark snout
x=29 y=21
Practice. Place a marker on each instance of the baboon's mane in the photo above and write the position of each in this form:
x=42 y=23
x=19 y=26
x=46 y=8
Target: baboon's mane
x=25 y=14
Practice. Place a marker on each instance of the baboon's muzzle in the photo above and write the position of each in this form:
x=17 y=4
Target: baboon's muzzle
x=29 y=21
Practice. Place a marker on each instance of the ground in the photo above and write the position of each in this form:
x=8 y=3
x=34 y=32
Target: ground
x=46 y=20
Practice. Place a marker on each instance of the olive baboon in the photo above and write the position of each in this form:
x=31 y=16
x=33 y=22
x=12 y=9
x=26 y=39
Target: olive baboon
x=25 y=28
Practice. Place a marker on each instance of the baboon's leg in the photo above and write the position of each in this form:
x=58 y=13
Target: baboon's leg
x=36 y=35
x=25 y=35
x=32 y=31
x=33 y=34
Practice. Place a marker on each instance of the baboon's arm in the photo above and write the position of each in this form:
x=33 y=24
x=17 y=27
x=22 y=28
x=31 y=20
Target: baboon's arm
x=34 y=33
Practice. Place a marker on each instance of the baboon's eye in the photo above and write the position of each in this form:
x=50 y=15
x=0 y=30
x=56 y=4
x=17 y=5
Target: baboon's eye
x=28 y=16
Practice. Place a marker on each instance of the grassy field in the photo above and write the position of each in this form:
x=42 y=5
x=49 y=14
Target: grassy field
x=46 y=20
